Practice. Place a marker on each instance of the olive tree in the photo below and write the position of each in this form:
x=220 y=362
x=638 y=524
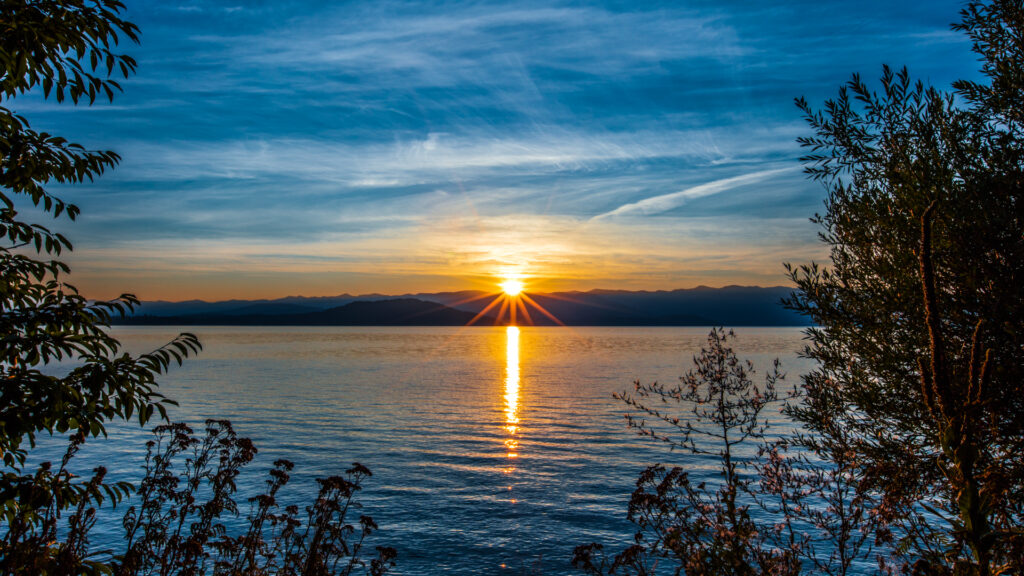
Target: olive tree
x=919 y=317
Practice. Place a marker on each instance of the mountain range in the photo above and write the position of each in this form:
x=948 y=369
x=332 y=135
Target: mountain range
x=701 y=306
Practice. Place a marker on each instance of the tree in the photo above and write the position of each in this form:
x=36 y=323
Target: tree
x=904 y=323
x=67 y=49
x=176 y=523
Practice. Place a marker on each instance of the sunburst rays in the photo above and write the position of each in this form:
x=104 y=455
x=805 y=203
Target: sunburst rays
x=511 y=304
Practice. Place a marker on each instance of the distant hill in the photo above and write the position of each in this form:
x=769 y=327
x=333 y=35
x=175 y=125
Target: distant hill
x=234 y=307
x=701 y=306
x=396 y=312
x=271 y=308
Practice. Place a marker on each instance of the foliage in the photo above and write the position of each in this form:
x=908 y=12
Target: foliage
x=956 y=399
x=904 y=326
x=29 y=544
x=176 y=524
x=699 y=529
x=821 y=517
x=67 y=49
x=179 y=519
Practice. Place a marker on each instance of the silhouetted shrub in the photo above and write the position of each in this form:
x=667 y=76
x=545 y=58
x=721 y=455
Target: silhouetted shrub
x=703 y=528
x=176 y=521
x=770 y=508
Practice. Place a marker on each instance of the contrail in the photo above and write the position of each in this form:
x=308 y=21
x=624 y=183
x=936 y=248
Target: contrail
x=665 y=202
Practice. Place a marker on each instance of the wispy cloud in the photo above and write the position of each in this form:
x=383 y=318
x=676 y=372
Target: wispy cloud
x=666 y=202
x=408 y=160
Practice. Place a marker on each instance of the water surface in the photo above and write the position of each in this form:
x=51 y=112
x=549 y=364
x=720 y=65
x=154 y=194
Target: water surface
x=493 y=450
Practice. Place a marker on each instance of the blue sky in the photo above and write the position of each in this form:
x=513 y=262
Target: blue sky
x=277 y=148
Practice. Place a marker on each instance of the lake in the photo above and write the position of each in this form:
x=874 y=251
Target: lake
x=494 y=450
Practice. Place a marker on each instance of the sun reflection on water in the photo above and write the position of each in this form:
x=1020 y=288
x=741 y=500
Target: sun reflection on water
x=512 y=391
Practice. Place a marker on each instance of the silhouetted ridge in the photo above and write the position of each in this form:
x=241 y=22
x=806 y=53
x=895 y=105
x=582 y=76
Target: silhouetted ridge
x=700 y=306
x=395 y=312
x=401 y=312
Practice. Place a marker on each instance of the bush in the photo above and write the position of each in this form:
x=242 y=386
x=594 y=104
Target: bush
x=699 y=529
x=176 y=521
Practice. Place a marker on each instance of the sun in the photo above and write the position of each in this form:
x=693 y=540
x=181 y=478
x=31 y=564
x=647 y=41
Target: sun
x=512 y=287
x=510 y=304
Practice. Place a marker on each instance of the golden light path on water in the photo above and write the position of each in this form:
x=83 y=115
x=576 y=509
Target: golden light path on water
x=512 y=391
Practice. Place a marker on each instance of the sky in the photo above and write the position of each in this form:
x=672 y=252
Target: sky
x=308 y=148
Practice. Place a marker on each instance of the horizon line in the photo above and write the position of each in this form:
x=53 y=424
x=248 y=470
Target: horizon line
x=411 y=294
